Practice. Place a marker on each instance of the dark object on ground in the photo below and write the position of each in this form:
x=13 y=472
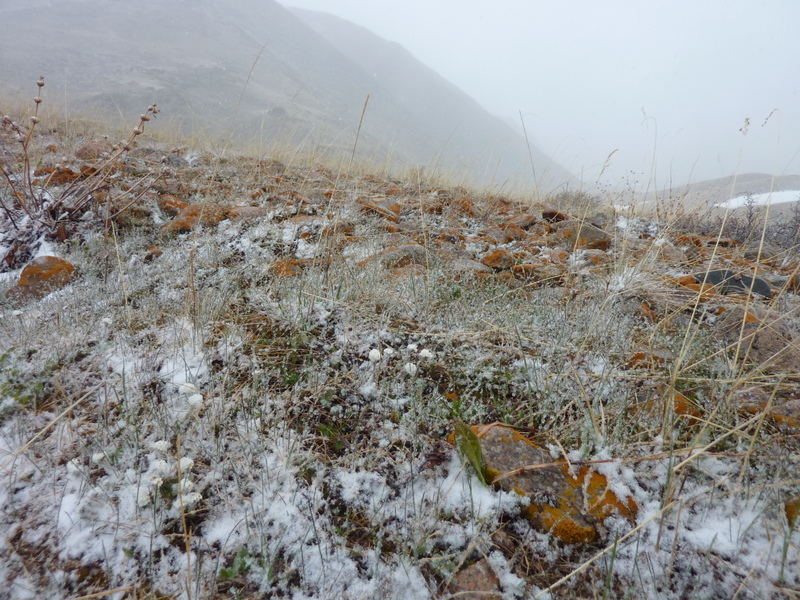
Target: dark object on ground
x=730 y=281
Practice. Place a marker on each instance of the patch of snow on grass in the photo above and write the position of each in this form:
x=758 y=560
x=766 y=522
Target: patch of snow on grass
x=761 y=199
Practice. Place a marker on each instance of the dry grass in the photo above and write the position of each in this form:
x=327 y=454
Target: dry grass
x=268 y=385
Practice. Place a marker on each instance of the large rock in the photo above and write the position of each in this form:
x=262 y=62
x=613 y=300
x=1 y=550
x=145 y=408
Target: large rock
x=569 y=506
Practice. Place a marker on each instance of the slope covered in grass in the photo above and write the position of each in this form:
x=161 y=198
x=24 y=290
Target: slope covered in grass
x=252 y=397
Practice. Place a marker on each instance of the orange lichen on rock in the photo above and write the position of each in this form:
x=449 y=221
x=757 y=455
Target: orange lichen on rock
x=41 y=276
x=569 y=506
x=195 y=214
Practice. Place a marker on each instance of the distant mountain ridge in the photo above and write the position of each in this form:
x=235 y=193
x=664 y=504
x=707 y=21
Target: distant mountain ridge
x=262 y=74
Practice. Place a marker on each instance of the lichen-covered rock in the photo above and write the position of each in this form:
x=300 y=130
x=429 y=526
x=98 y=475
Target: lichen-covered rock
x=41 y=276
x=498 y=259
x=578 y=234
x=570 y=506
x=195 y=214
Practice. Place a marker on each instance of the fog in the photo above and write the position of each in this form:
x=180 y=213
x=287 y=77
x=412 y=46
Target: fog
x=623 y=92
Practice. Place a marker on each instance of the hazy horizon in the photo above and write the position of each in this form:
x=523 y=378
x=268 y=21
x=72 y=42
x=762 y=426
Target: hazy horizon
x=643 y=94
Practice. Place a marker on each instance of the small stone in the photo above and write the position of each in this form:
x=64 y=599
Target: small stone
x=577 y=234
x=92 y=150
x=523 y=221
x=195 y=214
x=403 y=256
x=760 y=336
x=289 y=267
x=552 y=215
x=171 y=205
x=498 y=259
x=476 y=582
x=41 y=276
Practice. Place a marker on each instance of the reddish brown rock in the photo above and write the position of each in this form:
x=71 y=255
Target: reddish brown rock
x=403 y=256
x=577 y=234
x=523 y=221
x=569 y=506
x=388 y=208
x=476 y=582
x=498 y=259
x=171 y=205
x=41 y=276
x=195 y=214
x=289 y=267
x=792 y=508
x=92 y=150
x=552 y=215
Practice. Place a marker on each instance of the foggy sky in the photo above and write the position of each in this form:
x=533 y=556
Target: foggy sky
x=668 y=85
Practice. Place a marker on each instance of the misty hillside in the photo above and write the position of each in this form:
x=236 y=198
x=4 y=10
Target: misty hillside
x=307 y=87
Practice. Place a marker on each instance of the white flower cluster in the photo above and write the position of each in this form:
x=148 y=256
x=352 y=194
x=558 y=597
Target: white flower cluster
x=410 y=367
x=160 y=469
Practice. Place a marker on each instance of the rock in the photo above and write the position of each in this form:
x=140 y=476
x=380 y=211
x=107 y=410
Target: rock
x=523 y=221
x=730 y=281
x=476 y=582
x=759 y=336
x=752 y=401
x=570 y=507
x=195 y=214
x=290 y=267
x=792 y=508
x=552 y=215
x=390 y=209
x=171 y=205
x=92 y=150
x=498 y=259
x=402 y=256
x=582 y=235
x=41 y=276
x=538 y=272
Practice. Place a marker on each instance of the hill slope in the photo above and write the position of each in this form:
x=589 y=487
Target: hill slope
x=253 y=69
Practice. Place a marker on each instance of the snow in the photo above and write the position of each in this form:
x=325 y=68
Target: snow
x=196 y=394
x=761 y=199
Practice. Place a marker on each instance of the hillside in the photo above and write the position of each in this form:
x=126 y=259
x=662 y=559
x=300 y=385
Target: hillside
x=224 y=375
x=251 y=70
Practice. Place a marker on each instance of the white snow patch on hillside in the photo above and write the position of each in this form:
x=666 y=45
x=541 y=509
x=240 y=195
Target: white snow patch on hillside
x=761 y=199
